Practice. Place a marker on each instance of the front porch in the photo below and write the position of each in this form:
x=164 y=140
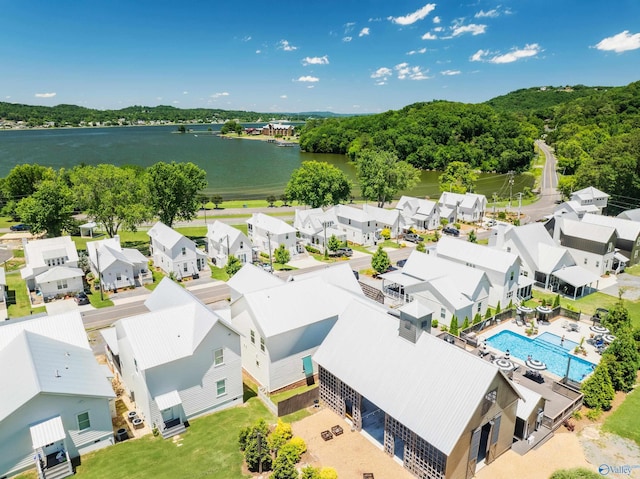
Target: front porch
x=51 y=456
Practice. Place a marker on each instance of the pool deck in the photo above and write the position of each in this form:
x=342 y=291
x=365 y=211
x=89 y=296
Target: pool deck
x=556 y=326
x=555 y=403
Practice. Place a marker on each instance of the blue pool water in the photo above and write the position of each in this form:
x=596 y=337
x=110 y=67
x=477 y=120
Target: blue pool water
x=546 y=348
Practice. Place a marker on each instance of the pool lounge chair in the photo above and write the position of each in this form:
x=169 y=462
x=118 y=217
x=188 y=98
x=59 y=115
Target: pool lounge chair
x=519 y=321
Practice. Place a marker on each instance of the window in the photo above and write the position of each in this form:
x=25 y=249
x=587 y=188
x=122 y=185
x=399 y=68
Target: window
x=221 y=387
x=479 y=306
x=62 y=284
x=511 y=277
x=249 y=227
x=489 y=400
x=118 y=276
x=510 y=294
x=218 y=357
x=241 y=244
x=609 y=247
x=508 y=249
x=83 y=421
x=253 y=337
x=262 y=344
x=443 y=313
x=597 y=264
x=184 y=251
x=525 y=273
x=185 y=267
x=349 y=221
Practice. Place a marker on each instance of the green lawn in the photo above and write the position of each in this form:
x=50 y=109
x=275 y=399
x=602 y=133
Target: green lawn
x=157 y=277
x=96 y=302
x=276 y=398
x=23 y=305
x=634 y=270
x=209 y=448
x=625 y=420
x=218 y=273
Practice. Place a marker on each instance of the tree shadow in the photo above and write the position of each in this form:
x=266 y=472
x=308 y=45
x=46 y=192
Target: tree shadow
x=248 y=392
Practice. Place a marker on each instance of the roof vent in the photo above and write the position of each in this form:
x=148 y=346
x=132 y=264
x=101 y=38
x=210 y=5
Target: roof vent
x=58 y=374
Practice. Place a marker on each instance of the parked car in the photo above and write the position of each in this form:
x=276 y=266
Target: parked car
x=82 y=298
x=414 y=238
x=267 y=267
x=491 y=222
x=450 y=230
x=344 y=251
x=20 y=227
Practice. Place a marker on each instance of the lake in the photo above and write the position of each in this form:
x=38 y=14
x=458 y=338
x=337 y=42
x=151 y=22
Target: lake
x=236 y=169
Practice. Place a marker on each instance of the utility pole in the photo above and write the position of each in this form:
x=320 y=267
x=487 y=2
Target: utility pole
x=519 y=203
x=511 y=174
x=495 y=198
x=270 y=257
x=228 y=250
x=99 y=272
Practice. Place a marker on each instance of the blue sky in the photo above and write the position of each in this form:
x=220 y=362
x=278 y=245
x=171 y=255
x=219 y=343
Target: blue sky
x=347 y=56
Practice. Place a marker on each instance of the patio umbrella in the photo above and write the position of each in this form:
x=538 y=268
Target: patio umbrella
x=535 y=364
x=504 y=364
x=608 y=338
x=599 y=329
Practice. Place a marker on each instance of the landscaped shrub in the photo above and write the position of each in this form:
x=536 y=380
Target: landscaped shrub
x=434 y=323
x=328 y=473
x=299 y=443
x=311 y=249
x=594 y=414
x=282 y=255
x=598 y=390
x=577 y=473
x=556 y=301
x=279 y=436
x=386 y=233
x=291 y=451
x=453 y=327
x=284 y=468
x=477 y=318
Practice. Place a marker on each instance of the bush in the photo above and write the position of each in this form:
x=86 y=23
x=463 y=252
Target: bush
x=280 y=435
x=299 y=443
x=434 y=323
x=577 y=415
x=598 y=390
x=282 y=255
x=284 y=468
x=576 y=473
x=328 y=473
x=291 y=451
x=311 y=249
x=594 y=414
x=386 y=233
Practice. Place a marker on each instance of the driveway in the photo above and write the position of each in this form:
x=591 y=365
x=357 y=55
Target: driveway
x=628 y=283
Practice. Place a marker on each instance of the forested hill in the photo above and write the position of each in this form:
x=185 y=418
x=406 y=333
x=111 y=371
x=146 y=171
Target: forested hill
x=540 y=101
x=431 y=135
x=72 y=115
x=597 y=142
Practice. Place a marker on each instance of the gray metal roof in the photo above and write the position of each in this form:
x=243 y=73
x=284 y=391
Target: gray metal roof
x=47 y=432
x=164 y=235
x=626 y=229
x=576 y=276
x=479 y=255
x=592 y=232
x=58 y=273
x=271 y=224
x=431 y=387
x=251 y=278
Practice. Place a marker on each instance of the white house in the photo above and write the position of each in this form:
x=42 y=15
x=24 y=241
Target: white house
x=3 y=285
x=458 y=207
x=592 y=246
x=118 y=267
x=179 y=361
x=575 y=208
x=421 y=213
x=268 y=233
x=224 y=241
x=591 y=196
x=315 y=225
x=502 y=268
x=448 y=288
x=539 y=255
x=627 y=241
x=251 y=278
x=282 y=326
x=174 y=253
x=52 y=267
x=358 y=226
x=385 y=219
x=56 y=397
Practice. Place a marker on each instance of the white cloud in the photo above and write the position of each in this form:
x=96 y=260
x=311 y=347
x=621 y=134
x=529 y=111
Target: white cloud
x=8 y=96
x=622 y=42
x=415 y=52
x=450 y=72
x=310 y=86
x=247 y=38
x=258 y=52
x=45 y=95
x=349 y=26
x=380 y=83
x=355 y=106
x=185 y=92
x=529 y=50
x=175 y=102
x=323 y=60
x=218 y=95
x=479 y=55
x=347 y=39
x=436 y=19
x=284 y=97
x=286 y=46
x=365 y=31
x=308 y=78
x=429 y=36
x=412 y=18
x=472 y=28
x=412 y=73
x=438 y=29
x=382 y=72
x=488 y=14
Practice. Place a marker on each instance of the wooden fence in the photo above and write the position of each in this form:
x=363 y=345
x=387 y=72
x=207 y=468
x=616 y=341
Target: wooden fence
x=298 y=402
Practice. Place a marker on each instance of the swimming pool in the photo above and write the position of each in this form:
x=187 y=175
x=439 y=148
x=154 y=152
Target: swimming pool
x=546 y=348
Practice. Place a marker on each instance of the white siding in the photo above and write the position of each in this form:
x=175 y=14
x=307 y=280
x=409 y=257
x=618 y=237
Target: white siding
x=74 y=285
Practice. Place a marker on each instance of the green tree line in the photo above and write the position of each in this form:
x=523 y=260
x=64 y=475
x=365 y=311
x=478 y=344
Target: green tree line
x=430 y=136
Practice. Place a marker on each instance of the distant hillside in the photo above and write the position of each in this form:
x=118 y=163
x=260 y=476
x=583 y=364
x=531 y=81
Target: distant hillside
x=72 y=115
x=540 y=101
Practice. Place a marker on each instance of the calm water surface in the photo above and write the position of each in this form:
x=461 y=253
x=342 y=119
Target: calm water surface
x=236 y=169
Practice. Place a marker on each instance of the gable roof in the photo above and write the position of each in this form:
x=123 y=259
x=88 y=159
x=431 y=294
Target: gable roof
x=588 y=231
x=164 y=235
x=466 y=201
x=271 y=224
x=58 y=273
x=626 y=229
x=251 y=278
x=175 y=327
x=349 y=212
x=338 y=275
x=479 y=255
x=429 y=389
x=633 y=215
x=295 y=304
x=219 y=231
x=381 y=215
x=589 y=193
x=420 y=206
x=36 y=252
x=535 y=245
x=428 y=267
x=50 y=354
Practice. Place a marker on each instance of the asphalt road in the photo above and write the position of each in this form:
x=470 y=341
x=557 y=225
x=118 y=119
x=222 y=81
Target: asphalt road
x=548 y=189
